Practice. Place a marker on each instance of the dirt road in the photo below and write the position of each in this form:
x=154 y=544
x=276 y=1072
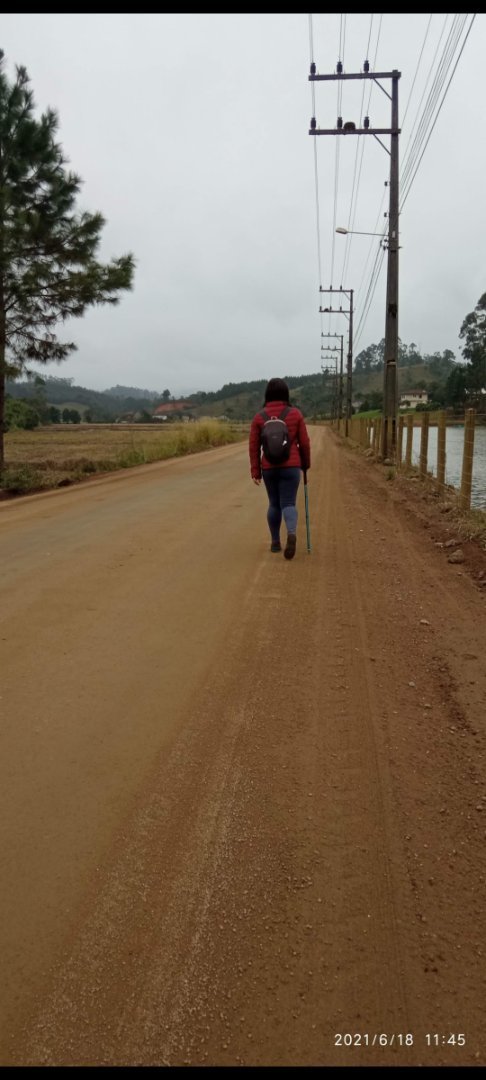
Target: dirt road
x=242 y=800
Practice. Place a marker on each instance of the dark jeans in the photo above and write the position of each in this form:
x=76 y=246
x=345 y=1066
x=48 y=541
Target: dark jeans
x=282 y=485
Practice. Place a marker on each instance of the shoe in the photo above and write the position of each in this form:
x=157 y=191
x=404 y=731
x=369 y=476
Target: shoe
x=290 y=546
x=275 y=546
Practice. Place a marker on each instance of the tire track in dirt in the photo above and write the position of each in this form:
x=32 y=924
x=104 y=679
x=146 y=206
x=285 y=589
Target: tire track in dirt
x=268 y=887
x=363 y=767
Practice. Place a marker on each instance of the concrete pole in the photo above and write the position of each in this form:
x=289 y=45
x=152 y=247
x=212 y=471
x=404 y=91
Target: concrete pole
x=349 y=373
x=341 y=379
x=390 y=390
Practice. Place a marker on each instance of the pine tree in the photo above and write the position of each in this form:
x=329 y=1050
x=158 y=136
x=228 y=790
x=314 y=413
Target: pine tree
x=48 y=266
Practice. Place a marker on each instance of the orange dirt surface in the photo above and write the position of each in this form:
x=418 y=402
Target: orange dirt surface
x=243 y=799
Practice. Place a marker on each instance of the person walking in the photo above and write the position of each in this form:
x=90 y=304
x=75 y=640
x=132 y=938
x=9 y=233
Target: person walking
x=279 y=449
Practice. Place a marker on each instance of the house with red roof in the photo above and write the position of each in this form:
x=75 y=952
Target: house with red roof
x=173 y=410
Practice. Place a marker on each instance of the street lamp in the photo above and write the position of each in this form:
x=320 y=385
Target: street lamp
x=355 y=232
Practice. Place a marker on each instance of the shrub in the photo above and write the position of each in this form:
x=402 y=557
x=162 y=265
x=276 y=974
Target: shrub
x=21 y=479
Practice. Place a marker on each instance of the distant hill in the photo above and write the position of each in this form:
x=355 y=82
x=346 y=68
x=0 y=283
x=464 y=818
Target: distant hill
x=240 y=401
x=133 y=392
x=408 y=378
x=101 y=406
x=312 y=393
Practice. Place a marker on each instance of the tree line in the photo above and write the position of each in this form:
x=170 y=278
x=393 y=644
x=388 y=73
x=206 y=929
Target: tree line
x=456 y=385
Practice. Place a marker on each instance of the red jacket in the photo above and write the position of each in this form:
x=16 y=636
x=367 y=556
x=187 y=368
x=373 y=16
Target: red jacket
x=299 y=439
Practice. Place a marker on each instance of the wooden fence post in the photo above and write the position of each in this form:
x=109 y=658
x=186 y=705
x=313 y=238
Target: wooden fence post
x=467 y=458
x=441 y=448
x=424 y=445
x=408 y=451
x=400 y=441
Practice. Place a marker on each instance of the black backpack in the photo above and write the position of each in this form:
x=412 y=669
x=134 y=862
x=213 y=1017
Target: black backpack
x=275 y=438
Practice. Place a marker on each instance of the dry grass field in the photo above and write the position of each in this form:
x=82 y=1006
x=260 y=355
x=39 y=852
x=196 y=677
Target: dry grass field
x=63 y=454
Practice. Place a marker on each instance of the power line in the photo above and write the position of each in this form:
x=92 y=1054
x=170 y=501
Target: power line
x=420 y=136
x=416 y=72
x=375 y=273
x=342 y=35
x=412 y=177
x=352 y=216
x=316 y=175
x=427 y=123
x=435 y=74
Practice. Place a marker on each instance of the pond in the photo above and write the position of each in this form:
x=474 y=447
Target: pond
x=454 y=449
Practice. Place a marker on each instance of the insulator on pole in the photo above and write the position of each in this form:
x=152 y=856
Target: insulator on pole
x=313 y=124
x=339 y=67
x=366 y=122
x=366 y=65
x=313 y=69
x=339 y=122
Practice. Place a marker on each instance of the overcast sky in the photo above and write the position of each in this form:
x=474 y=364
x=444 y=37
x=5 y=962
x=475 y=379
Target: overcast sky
x=191 y=135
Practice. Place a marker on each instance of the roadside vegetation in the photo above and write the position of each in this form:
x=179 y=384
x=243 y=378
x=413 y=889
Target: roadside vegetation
x=58 y=456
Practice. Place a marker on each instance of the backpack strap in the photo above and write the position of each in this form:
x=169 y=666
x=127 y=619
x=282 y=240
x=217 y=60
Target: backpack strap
x=282 y=416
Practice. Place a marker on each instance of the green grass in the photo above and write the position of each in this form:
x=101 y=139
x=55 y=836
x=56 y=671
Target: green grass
x=368 y=415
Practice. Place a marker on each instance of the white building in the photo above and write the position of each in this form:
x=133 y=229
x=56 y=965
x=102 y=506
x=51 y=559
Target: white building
x=410 y=398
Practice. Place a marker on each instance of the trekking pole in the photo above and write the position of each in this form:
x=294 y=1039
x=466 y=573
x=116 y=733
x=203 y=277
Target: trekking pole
x=307 y=521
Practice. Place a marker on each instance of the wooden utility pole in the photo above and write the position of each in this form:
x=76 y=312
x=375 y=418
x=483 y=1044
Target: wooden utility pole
x=389 y=425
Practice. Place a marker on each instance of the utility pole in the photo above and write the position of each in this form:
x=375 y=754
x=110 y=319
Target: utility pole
x=390 y=394
x=334 y=389
x=349 y=372
x=390 y=374
x=349 y=293
x=340 y=391
x=331 y=373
